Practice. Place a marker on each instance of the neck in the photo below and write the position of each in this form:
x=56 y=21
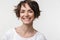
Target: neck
x=27 y=28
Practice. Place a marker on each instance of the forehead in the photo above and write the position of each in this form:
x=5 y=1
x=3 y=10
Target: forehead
x=25 y=6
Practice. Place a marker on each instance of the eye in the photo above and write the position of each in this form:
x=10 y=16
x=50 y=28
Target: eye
x=30 y=11
x=22 y=11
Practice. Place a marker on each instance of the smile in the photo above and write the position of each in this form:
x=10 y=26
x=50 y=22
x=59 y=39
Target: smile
x=26 y=19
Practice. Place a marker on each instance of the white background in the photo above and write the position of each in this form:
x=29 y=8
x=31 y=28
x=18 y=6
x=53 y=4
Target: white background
x=48 y=23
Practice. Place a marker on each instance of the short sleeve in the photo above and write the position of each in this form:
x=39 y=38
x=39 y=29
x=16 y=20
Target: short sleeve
x=40 y=36
x=8 y=35
x=4 y=37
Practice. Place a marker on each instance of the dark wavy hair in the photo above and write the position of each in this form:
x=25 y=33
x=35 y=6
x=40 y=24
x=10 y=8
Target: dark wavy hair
x=33 y=5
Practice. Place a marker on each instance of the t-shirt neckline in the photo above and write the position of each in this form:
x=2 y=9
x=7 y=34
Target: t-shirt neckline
x=24 y=37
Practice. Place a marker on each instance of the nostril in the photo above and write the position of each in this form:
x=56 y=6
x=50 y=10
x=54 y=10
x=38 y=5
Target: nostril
x=26 y=14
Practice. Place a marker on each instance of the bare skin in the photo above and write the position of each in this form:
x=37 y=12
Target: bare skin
x=26 y=31
x=27 y=16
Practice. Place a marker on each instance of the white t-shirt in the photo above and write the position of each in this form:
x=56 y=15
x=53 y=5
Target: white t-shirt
x=12 y=35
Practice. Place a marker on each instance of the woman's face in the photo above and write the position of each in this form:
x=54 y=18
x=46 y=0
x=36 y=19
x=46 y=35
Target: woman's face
x=26 y=14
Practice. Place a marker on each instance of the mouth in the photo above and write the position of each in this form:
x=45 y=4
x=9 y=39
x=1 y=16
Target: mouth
x=26 y=19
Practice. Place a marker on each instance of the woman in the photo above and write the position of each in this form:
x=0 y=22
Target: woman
x=27 y=11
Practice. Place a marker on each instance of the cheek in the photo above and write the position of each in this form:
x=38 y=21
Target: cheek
x=21 y=15
x=32 y=15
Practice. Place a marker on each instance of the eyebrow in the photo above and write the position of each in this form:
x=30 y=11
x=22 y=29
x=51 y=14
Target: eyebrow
x=30 y=10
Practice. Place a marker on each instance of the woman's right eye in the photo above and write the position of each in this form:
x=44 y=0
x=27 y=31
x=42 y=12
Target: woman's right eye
x=22 y=11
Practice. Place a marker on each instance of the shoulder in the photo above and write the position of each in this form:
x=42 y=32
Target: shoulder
x=40 y=36
x=8 y=35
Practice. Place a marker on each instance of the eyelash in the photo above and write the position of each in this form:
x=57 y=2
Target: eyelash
x=22 y=12
x=31 y=11
x=28 y=11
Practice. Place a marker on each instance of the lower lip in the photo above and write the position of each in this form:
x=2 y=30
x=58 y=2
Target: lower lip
x=26 y=19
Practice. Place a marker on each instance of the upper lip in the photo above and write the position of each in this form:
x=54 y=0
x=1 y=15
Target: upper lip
x=26 y=18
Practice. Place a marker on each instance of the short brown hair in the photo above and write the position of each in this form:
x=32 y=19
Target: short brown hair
x=33 y=5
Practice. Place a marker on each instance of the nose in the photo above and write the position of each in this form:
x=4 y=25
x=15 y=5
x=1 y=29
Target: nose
x=26 y=14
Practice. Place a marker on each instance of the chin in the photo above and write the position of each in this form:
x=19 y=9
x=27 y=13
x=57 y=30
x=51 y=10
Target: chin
x=27 y=23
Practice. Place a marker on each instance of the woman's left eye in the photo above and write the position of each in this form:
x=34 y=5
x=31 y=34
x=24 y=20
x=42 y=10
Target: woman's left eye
x=30 y=11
